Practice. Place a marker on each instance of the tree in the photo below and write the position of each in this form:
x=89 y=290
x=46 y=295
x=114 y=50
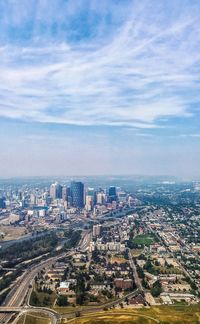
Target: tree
x=140 y=272
x=46 y=301
x=62 y=301
x=34 y=299
x=156 y=289
x=95 y=256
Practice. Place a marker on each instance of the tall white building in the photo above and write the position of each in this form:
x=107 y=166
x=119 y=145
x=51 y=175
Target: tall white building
x=96 y=230
x=88 y=203
x=101 y=198
x=56 y=191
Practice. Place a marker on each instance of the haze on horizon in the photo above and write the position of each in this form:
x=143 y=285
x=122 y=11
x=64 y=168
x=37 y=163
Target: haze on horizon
x=93 y=87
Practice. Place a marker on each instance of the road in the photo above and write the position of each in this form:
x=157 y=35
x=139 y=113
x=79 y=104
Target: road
x=85 y=240
x=95 y=309
x=53 y=314
x=16 y=296
x=18 y=293
x=135 y=274
x=27 y=309
x=172 y=254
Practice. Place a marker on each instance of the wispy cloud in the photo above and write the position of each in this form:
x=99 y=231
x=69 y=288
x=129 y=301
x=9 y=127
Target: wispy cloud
x=142 y=74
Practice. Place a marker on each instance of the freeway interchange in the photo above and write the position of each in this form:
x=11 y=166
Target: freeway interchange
x=16 y=297
x=17 y=300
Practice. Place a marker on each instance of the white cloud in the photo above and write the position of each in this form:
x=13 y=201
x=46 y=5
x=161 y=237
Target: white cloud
x=141 y=77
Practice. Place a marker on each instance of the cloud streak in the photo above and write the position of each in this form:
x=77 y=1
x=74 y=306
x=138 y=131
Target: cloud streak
x=143 y=74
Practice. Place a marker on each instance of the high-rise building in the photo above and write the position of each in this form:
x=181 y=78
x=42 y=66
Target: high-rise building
x=101 y=198
x=88 y=202
x=2 y=203
x=33 y=199
x=90 y=199
x=64 y=193
x=122 y=197
x=53 y=190
x=56 y=191
x=19 y=195
x=112 y=194
x=96 y=231
x=77 y=194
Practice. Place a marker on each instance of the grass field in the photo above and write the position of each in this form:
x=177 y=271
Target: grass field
x=168 y=270
x=162 y=314
x=41 y=297
x=34 y=319
x=118 y=260
x=12 y=232
x=70 y=309
x=143 y=239
x=136 y=252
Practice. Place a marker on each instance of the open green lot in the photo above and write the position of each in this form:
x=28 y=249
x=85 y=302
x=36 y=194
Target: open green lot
x=161 y=314
x=175 y=314
x=143 y=239
x=35 y=318
x=42 y=299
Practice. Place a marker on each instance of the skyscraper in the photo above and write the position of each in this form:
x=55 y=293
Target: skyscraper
x=101 y=198
x=56 y=191
x=88 y=202
x=96 y=231
x=112 y=195
x=2 y=203
x=91 y=198
x=64 y=193
x=77 y=194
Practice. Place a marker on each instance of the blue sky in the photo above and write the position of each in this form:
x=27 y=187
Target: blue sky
x=98 y=87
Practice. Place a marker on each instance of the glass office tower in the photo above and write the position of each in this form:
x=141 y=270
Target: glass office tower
x=77 y=194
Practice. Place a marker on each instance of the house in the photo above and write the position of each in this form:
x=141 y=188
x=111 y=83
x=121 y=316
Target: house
x=123 y=283
x=137 y=300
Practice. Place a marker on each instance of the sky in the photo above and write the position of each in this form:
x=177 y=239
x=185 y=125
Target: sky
x=91 y=87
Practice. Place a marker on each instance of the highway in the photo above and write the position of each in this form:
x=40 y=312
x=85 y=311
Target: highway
x=16 y=297
x=27 y=309
x=85 y=241
x=55 y=316
x=16 y=300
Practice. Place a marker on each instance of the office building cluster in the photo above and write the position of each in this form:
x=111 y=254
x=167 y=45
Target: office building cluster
x=58 y=202
x=76 y=196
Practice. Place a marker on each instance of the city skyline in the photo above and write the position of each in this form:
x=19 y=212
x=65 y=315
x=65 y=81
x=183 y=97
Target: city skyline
x=94 y=88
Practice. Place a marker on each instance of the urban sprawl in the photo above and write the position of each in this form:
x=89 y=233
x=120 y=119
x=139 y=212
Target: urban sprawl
x=67 y=244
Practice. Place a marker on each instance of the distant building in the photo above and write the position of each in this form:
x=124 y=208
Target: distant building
x=109 y=246
x=77 y=194
x=101 y=198
x=33 y=199
x=112 y=194
x=123 y=283
x=122 y=197
x=88 y=203
x=96 y=230
x=2 y=203
x=64 y=193
x=90 y=199
x=56 y=191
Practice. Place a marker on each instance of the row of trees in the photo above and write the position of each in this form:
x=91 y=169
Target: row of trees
x=7 y=280
x=29 y=249
x=73 y=238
